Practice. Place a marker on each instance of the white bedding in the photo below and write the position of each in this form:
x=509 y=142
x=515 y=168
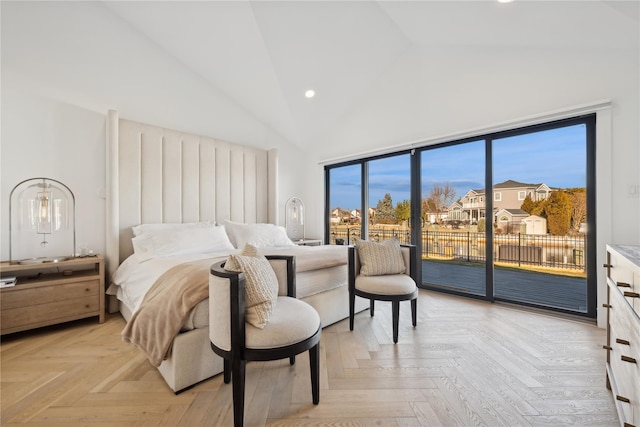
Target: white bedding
x=318 y=269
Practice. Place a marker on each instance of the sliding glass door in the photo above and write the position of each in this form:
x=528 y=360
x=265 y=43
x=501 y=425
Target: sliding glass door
x=389 y=198
x=504 y=216
x=540 y=217
x=453 y=217
x=343 y=204
x=370 y=200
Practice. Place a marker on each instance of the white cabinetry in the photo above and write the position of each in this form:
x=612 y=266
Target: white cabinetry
x=623 y=331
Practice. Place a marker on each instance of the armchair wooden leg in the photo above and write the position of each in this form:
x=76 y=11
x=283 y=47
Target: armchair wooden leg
x=372 y=304
x=414 y=311
x=395 y=314
x=314 y=364
x=227 y=371
x=352 y=308
x=292 y=360
x=238 y=368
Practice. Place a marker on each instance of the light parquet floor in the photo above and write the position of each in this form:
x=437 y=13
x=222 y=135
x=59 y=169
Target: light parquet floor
x=467 y=363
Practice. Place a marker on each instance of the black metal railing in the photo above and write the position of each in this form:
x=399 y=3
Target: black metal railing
x=565 y=252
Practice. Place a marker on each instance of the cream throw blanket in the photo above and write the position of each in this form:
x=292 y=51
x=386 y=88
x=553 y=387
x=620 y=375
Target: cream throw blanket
x=165 y=308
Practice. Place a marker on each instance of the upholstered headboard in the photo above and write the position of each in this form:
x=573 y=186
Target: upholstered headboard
x=157 y=175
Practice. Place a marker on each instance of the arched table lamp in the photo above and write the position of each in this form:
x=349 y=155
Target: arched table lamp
x=40 y=208
x=294 y=219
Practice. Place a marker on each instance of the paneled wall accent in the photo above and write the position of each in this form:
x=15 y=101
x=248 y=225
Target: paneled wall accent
x=169 y=176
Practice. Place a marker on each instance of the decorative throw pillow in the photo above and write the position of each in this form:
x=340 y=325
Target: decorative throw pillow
x=381 y=258
x=261 y=289
x=232 y=264
x=259 y=235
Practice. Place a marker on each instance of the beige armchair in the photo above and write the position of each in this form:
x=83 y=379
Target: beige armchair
x=384 y=287
x=293 y=327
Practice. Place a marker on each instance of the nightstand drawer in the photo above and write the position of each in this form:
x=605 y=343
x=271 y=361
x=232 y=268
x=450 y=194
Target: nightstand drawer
x=22 y=318
x=50 y=293
x=17 y=297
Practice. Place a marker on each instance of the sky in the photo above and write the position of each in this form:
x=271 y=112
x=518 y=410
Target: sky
x=554 y=157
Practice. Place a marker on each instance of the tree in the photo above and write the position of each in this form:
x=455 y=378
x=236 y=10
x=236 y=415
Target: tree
x=385 y=213
x=403 y=210
x=438 y=199
x=527 y=205
x=531 y=207
x=481 y=225
x=558 y=212
x=578 y=198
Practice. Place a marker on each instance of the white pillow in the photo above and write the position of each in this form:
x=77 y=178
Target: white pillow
x=139 y=230
x=181 y=241
x=258 y=235
x=231 y=226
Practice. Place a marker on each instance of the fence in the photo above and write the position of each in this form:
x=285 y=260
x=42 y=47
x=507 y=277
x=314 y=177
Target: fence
x=522 y=249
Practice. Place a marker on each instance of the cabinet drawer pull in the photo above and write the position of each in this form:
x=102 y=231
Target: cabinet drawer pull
x=632 y=294
x=628 y=425
x=606 y=347
x=628 y=359
x=621 y=341
x=606 y=305
x=623 y=285
x=623 y=399
x=607 y=265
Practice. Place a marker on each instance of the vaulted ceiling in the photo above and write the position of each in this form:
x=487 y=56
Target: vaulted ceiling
x=264 y=55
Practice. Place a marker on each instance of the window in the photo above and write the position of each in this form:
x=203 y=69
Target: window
x=478 y=237
x=343 y=203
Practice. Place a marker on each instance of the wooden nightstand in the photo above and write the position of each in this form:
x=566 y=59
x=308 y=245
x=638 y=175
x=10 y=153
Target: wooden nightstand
x=50 y=293
x=308 y=242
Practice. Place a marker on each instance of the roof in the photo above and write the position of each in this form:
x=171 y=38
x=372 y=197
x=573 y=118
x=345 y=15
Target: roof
x=514 y=212
x=515 y=184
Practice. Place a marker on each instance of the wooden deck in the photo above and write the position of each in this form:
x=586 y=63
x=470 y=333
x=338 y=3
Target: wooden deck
x=547 y=290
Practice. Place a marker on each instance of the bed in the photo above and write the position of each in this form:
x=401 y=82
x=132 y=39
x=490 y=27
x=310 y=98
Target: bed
x=158 y=178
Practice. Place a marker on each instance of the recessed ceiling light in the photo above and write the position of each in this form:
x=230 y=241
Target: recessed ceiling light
x=310 y=93
x=505 y=1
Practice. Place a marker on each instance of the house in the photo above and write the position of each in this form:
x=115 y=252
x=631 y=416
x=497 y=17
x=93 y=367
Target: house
x=455 y=212
x=473 y=204
x=506 y=195
x=510 y=194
